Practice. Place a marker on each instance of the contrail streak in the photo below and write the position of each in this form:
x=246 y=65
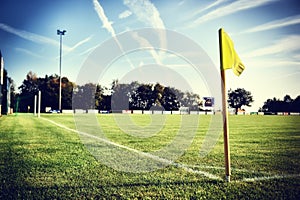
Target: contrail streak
x=108 y=26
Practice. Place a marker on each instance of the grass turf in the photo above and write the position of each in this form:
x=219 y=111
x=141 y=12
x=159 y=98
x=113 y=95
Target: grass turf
x=41 y=160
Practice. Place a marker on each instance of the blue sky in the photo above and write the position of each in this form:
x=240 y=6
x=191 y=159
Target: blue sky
x=265 y=34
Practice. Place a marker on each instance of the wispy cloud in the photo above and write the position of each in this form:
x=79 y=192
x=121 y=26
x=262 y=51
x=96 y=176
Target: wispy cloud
x=270 y=63
x=78 y=44
x=146 y=12
x=231 y=8
x=30 y=53
x=125 y=14
x=276 y=24
x=287 y=44
x=289 y=75
x=39 y=38
x=28 y=36
x=214 y=4
x=108 y=26
x=105 y=23
x=143 y=42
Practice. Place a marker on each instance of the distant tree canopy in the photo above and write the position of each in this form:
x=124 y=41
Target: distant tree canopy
x=238 y=98
x=49 y=87
x=132 y=96
x=120 y=96
x=286 y=105
x=140 y=96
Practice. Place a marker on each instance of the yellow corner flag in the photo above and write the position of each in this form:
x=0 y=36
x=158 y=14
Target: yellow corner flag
x=229 y=57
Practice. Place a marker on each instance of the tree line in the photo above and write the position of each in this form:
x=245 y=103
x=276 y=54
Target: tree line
x=131 y=96
x=119 y=96
x=49 y=86
x=275 y=105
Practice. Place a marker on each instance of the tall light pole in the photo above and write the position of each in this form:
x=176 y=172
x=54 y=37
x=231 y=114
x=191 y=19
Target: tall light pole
x=60 y=33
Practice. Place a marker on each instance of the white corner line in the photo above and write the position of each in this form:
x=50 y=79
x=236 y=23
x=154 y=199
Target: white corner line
x=263 y=178
x=154 y=157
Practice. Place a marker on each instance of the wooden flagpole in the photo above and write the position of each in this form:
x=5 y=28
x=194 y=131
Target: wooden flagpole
x=225 y=113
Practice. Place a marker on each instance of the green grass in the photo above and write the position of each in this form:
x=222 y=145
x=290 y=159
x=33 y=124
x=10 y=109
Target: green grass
x=40 y=160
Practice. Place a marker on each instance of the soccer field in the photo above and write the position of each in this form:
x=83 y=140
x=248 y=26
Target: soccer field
x=45 y=158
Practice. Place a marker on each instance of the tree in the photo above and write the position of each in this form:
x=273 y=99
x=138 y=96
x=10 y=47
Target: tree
x=30 y=84
x=158 y=94
x=296 y=104
x=98 y=96
x=12 y=92
x=169 y=99
x=49 y=87
x=287 y=105
x=121 y=95
x=190 y=100
x=238 y=98
x=103 y=98
x=271 y=105
x=84 y=96
x=67 y=92
x=133 y=96
x=28 y=89
x=288 y=99
x=148 y=96
x=142 y=97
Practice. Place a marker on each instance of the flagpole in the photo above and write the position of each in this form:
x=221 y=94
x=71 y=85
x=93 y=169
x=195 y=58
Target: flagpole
x=225 y=113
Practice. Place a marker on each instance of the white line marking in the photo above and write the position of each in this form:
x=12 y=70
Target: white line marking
x=270 y=177
x=223 y=168
x=157 y=158
x=183 y=166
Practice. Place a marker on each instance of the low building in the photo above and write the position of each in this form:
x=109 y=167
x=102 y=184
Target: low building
x=4 y=89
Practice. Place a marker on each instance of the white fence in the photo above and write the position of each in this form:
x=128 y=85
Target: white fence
x=165 y=112
x=168 y=112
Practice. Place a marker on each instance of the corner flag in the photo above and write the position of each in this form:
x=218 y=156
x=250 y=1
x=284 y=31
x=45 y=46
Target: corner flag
x=229 y=58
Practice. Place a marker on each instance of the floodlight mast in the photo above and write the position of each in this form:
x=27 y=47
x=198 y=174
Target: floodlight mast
x=60 y=33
